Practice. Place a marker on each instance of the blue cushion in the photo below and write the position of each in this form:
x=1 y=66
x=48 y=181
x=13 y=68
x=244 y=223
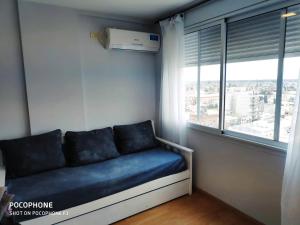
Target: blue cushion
x=34 y=154
x=135 y=137
x=90 y=146
x=72 y=186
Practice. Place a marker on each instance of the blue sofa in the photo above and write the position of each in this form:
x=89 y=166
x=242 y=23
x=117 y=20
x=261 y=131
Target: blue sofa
x=72 y=185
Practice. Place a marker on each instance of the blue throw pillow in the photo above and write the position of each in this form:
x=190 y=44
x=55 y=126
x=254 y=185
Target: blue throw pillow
x=90 y=146
x=135 y=137
x=34 y=154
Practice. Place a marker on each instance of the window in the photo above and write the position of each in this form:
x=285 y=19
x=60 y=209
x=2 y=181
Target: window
x=252 y=62
x=202 y=76
x=291 y=71
x=191 y=76
x=209 y=74
x=256 y=80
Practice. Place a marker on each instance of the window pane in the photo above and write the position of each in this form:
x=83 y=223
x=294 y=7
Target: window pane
x=190 y=75
x=208 y=59
x=290 y=73
x=210 y=56
x=190 y=84
x=251 y=74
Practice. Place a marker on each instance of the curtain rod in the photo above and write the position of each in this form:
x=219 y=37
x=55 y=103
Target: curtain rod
x=184 y=9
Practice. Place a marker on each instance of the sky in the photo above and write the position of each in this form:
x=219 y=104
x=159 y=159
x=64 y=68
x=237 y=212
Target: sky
x=251 y=70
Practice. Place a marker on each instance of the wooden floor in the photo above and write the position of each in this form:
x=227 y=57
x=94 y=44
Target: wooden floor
x=198 y=209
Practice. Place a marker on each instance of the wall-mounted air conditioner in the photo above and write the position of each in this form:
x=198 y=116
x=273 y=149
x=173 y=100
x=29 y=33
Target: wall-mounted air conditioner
x=132 y=40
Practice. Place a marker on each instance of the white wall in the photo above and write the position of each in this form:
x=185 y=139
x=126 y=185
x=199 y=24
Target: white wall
x=72 y=82
x=52 y=67
x=246 y=176
x=119 y=86
x=13 y=104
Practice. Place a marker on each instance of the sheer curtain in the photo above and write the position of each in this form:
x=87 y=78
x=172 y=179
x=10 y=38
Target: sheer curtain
x=171 y=99
x=290 y=200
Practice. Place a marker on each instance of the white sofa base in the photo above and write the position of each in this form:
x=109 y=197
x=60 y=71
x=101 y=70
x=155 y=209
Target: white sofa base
x=123 y=204
x=131 y=206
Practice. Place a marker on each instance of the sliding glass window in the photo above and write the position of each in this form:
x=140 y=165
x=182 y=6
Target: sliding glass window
x=191 y=76
x=202 y=76
x=209 y=76
x=251 y=76
x=241 y=75
x=291 y=71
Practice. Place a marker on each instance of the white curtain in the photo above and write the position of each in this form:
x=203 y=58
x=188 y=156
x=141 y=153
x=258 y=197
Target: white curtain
x=290 y=199
x=172 y=98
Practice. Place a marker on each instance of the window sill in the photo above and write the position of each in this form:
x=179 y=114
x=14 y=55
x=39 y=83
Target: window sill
x=214 y=131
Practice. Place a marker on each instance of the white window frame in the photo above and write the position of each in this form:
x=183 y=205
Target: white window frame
x=221 y=131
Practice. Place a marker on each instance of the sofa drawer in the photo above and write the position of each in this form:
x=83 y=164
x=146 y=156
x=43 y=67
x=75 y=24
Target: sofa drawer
x=131 y=206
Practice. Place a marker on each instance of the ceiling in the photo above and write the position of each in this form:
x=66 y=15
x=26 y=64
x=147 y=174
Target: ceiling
x=148 y=10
